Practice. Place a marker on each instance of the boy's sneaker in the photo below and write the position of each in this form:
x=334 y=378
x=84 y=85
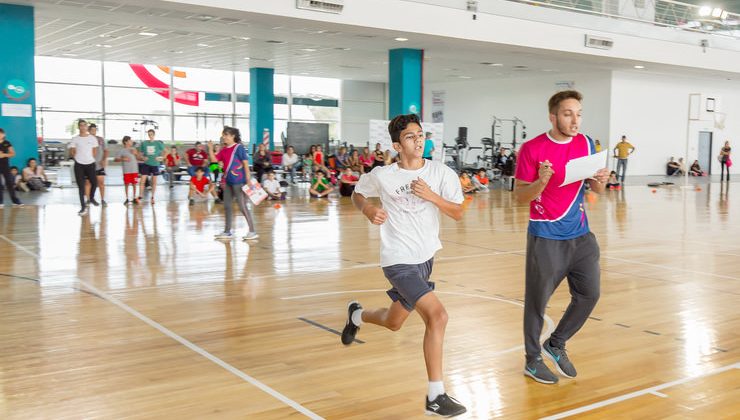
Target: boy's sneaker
x=225 y=235
x=93 y=202
x=103 y=203
x=192 y=202
x=444 y=406
x=219 y=201
x=538 y=371
x=350 y=329
x=17 y=203
x=82 y=211
x=560 y=358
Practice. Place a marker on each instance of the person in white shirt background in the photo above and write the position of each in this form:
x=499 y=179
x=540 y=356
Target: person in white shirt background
x=272 y=187
x=83 y=148
x=291 y=163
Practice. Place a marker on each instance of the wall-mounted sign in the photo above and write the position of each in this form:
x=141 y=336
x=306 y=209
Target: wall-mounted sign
x=16 y=90
x=16 y=110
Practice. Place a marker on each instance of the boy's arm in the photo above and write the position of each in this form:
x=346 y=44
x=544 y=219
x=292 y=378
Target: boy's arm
x=376 y=215
x=422 y=190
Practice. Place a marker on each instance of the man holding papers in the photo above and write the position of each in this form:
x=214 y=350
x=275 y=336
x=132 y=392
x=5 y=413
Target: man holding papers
x=559 y=242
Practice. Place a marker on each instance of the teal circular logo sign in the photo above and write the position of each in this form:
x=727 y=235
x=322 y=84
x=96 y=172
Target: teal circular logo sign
x=16 y=89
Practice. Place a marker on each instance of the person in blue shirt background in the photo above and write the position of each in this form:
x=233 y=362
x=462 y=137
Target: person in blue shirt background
x=428 y=146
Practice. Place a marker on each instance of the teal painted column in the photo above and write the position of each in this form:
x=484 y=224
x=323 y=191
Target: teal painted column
x=261 y=105
x=18 y=81
x=405 y=81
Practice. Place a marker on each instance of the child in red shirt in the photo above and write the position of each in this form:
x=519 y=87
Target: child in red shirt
x=172 y=163
x=480 y=180
x=347 y=182
x=200 y=187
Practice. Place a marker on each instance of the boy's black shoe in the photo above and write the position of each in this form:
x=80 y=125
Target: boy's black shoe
x=444 y=406
x=350 y=329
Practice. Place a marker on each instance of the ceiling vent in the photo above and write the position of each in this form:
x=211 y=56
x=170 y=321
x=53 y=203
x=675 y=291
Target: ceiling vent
x=599 y=42
x=327 y=6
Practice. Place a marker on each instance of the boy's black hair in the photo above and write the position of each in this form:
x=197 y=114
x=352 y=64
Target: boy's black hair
x=13 y=167
x=199 y=169
x=92 y=125
x=399 y=123
x=28 y=162
x=481 y=169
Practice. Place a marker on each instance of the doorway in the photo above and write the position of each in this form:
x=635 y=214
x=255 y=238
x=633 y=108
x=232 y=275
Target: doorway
x=705 y=151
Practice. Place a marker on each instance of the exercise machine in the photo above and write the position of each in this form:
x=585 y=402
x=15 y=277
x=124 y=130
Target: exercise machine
x=517 y=131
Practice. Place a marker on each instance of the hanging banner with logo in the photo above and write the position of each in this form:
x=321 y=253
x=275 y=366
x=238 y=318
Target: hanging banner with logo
x=438 y=106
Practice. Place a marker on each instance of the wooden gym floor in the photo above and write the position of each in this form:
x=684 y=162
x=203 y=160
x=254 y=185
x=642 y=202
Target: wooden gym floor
x=139 y=313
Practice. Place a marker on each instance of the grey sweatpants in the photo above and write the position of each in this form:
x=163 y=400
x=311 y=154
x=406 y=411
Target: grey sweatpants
x=548 y=262
x=235 y=192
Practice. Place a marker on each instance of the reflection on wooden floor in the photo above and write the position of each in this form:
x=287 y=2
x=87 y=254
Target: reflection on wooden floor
x=249 y=324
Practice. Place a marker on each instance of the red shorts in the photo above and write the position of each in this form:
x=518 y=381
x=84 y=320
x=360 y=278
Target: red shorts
x=130 y=179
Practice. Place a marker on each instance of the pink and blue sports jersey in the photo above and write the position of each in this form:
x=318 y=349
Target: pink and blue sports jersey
x=558 y=213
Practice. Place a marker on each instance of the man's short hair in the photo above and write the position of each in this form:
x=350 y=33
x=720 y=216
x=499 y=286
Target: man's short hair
x=92 y=125
x=81 y=121
x=197 y=143
x=553 y=105
x=199 y=169
x=151 y=130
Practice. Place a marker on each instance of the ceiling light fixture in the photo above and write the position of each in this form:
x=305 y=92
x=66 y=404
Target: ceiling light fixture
x=103 y=45
x=308 y=49
x=399 y=39
x=717 y=12
x=202 y=45
x=639 y=67
x=69 y=55
x=147 y=34
x=496 y=65
x=705 y=11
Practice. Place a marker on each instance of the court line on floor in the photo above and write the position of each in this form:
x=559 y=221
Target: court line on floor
x=548 y=321
x=164 y=330
x=631 y=395
x=325 y=328
x=665 y=267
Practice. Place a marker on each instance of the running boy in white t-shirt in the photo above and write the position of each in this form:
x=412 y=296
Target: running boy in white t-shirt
x=412 y=191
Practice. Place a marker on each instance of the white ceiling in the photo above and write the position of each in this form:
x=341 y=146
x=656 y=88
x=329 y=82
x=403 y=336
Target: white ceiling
x=191 y=36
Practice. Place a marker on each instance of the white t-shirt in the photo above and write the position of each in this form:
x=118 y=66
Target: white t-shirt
x=272 y=186
x=410 y=234
x=84 y=149
x=290 y=160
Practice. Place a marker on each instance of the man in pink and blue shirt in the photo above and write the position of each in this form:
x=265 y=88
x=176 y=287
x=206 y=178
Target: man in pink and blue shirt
x=559 y=242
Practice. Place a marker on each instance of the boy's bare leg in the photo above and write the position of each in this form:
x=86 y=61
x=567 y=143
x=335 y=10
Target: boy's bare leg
x=434 y=315
x=391 y=318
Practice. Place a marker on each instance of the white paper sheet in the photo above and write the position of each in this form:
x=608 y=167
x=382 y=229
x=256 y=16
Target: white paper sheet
x=585 y=167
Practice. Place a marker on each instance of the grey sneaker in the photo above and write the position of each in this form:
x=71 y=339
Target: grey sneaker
x=251 y=236
x=560 y=358
x=537 y=370
x=225 y=235
x=82 y=211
